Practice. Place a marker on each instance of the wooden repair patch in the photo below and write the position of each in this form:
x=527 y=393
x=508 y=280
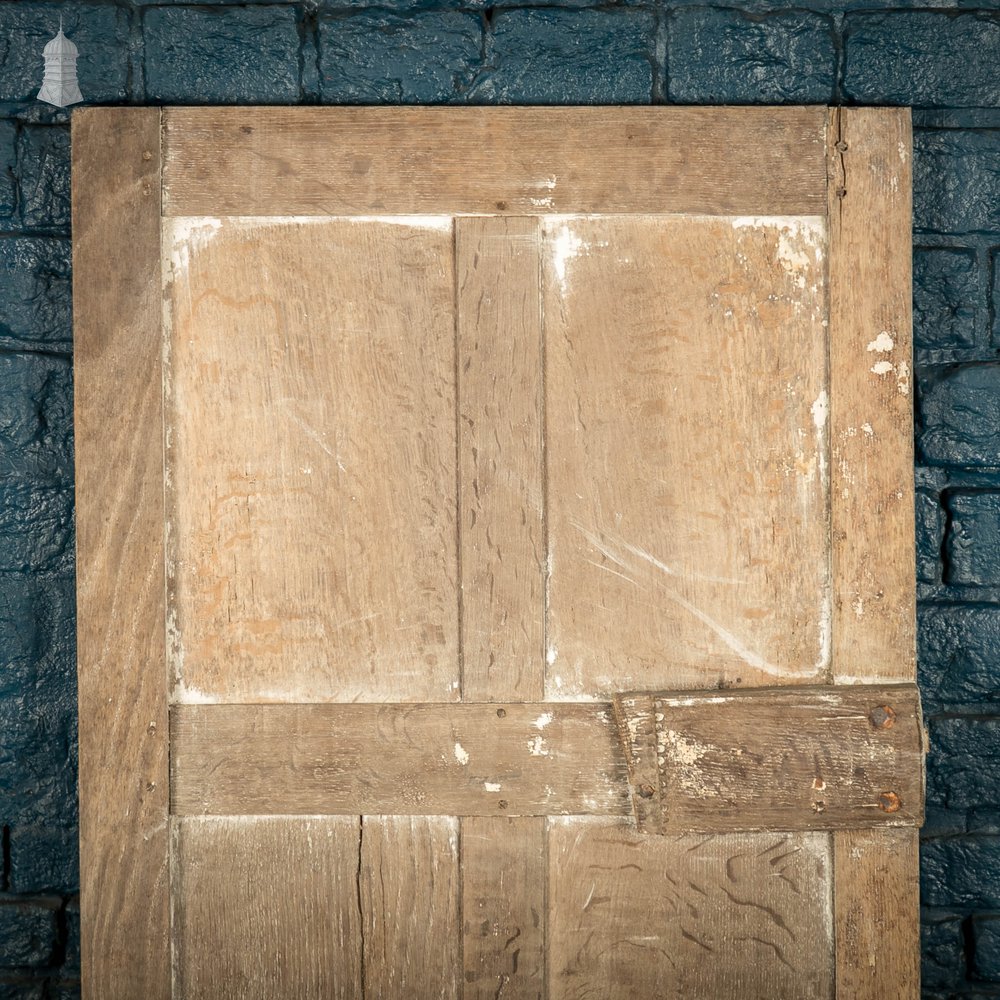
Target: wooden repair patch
x=775 y=759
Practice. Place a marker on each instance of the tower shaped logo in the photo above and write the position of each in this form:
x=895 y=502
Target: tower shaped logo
x=59 y=85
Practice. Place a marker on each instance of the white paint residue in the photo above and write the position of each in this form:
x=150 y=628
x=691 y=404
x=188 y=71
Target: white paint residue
x=902 y=370
x=190 y=234
x=551 y=655
x=442 y=223
x=800 y=240
x=187 y=694
x=461 y=754
x=543 y=720
x=821 y=411
x=566 y=247
x=537 y=747
x=491 y=786
x=867 y=428
x=883 y=343
x=902 y=152
x=859 y=607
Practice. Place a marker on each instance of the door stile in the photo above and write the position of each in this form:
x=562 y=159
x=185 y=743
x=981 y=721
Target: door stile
x=120 y=558
x=876 y=893
x=501 y=517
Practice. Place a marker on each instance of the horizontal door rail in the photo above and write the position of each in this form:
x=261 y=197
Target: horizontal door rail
x=487 y=161
x=804 y=758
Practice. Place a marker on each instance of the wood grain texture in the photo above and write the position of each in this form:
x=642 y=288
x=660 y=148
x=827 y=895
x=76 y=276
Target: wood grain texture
x=877 y=898
x=267 y=909
x=449 y=760
x=691 y=918
x=311 y=460
x=686 y=423
x=409 y=902
x=872 y=535
x=871 y=402
x=729 y=761
x=638 y=733
x=822 y=758
x=500 y=428
x=502 y=572
x=119 y=520
x=504 y=880
x=525 y=161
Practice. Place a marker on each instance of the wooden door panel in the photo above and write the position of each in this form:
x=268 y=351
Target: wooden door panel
x=266 y=907
x=634 y=916
x=310 y=428
x=686 y=403
x=409 y=891
x=497 y=449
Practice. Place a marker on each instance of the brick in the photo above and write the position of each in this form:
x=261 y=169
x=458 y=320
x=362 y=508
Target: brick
x=923 y=58
x=942 y=949
x=930 y=531
x=27 y=934
x=222 y=55
x=71 y=960
x=36 y=414
x=38 y=769
x=8 y=169
x=946 y=295
x=100 y=33
x=36 y=529
x=985 y=963
x=956 y=180
x=961 y=872
x=958 y=650
x=44 y=857
x=963 y=766
x=43 y=163
x=718 y=55
x=959 y=416
x=941 y=822
x=972 y=541
x=35 y=292
x=381 y=58
x=26 y=991
x=537 y=56
x=995 y=295
x=37 y=637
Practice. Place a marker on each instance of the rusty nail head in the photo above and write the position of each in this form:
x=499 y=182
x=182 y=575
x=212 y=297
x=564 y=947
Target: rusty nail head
x=841 y=146
x=645 y=791
x=889 y=802
x=882 y=716
x=501 y=712
x=819 y=806
x=502 y=803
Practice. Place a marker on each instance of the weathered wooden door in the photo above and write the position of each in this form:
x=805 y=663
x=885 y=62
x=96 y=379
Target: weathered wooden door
x=495 y=554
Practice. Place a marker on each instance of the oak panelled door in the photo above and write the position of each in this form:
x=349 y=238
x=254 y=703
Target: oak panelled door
x=496 y=554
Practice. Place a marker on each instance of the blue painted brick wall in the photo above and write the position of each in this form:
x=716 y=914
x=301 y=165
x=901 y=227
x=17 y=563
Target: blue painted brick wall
x=940 y=56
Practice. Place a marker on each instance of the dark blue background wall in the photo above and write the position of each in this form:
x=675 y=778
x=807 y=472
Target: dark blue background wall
x=941 y=58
